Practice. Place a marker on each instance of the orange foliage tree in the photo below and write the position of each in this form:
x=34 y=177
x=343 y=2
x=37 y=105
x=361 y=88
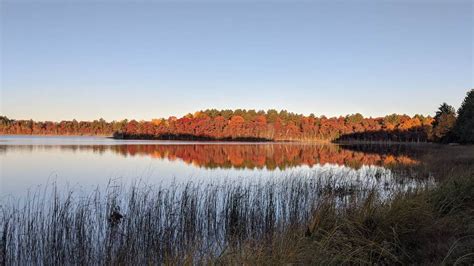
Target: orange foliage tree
x=239 y=125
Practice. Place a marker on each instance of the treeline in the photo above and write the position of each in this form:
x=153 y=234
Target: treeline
x=452 y=126
x=272 y=125
x=279 y=126
x=236 y=125
x=66 y=128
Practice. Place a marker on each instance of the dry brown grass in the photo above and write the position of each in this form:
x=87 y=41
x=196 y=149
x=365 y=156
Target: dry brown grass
x=426 y=227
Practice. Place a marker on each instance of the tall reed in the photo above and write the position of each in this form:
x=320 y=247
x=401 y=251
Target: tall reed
x=181 y=222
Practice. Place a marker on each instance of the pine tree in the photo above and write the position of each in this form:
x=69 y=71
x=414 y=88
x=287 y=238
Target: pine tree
x=464 y=129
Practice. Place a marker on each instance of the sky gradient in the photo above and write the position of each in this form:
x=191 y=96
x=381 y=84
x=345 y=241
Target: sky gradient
x=144 y=60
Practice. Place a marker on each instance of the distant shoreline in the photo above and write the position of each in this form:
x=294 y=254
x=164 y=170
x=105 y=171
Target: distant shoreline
x=228 y=140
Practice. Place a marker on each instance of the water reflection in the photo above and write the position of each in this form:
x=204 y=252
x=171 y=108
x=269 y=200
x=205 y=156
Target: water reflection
x=245 y=156
x=200 y=195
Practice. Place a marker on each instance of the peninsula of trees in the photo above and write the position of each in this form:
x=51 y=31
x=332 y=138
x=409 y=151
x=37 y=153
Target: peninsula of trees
x=446 y=126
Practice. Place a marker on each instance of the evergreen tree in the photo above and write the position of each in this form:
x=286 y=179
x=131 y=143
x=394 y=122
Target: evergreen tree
x=464 y=129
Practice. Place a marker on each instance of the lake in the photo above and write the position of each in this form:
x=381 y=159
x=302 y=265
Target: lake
x=166 y=198
x=29 y=162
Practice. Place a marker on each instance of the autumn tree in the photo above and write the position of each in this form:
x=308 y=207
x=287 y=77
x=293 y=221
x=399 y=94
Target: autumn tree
x=236 y=124
x=239 y=124
x=443 y=124
x=4 y=121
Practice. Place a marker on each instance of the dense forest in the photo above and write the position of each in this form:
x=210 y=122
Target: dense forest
x=446 y=126
x=237 y=125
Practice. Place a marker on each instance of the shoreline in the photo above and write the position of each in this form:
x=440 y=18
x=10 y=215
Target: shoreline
x=229 y=140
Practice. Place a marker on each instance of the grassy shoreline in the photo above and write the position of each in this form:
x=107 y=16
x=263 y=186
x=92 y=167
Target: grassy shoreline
x=326 y=220
x=432 y=226
x=425 y=225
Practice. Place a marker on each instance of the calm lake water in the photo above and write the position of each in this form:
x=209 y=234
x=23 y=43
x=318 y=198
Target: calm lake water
x=178 y=196
x=29 y=162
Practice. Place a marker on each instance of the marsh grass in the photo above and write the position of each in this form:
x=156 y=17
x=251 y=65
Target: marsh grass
x=181 y=222
x=376 y=217
x=425 y=226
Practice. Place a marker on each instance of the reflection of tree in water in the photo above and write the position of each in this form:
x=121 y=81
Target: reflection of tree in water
x=270 y=156
x=256 y=156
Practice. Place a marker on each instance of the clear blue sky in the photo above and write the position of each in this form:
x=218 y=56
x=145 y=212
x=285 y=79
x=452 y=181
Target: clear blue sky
x=146 y=59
